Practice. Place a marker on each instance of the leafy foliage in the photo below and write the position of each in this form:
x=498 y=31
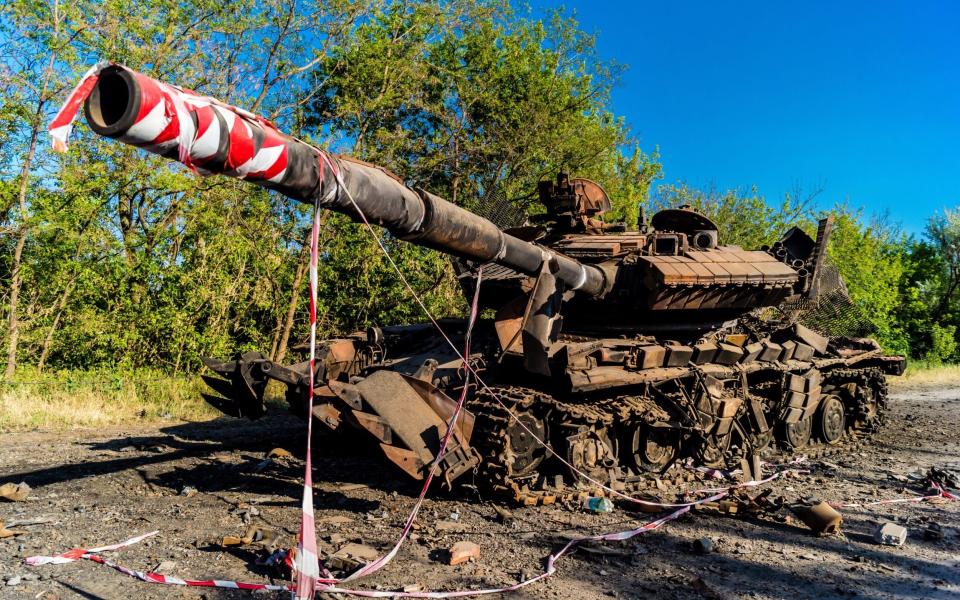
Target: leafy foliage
x=128 y=260
x=111 y=257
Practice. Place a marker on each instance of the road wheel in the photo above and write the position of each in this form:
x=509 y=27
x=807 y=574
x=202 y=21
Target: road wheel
x=797 y=435
x=831 y=420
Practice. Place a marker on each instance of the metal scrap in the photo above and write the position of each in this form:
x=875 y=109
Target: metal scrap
x=268 y=538
x=820 y=517
x=351 y=556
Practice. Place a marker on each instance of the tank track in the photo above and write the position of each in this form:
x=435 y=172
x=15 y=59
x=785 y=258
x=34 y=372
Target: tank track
x=515 y=465
x=867 y=403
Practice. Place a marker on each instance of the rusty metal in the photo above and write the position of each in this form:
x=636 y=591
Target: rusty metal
x=624 y=351
x=821 y=517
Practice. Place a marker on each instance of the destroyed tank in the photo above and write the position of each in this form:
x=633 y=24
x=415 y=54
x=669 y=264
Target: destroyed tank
x=611 y=355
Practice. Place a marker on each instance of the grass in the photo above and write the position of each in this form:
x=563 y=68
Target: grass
x=68 y=399
x=77 y=399
x=920 y=372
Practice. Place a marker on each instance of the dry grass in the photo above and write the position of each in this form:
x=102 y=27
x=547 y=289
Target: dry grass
x=923 y=373
x=67 y=400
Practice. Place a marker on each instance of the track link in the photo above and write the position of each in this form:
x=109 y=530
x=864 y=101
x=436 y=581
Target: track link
x=515 y=464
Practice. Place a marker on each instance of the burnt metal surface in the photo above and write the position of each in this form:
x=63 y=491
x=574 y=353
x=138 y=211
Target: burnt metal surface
x=620 y=351
x=618 y=409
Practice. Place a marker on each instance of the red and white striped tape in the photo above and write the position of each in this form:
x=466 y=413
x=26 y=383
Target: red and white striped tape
x=551 y=566
x=551 y=563
x=942 y=493
x=306 y=565
x=256 y=151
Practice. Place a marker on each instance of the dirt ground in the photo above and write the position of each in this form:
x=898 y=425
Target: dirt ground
x=100 y=487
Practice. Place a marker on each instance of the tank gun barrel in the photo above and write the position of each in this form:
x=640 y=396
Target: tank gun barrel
x=214 y=137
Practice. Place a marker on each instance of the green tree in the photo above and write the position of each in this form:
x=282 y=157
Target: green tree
x=870 y=258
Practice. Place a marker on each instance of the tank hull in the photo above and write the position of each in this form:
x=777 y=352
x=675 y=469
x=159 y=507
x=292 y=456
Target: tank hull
x=613 y=414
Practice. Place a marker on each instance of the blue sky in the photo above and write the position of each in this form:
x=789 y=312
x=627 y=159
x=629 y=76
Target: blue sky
x=861 y=99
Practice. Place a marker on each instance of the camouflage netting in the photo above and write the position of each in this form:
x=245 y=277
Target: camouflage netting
x=833 y=312
x=501 y=211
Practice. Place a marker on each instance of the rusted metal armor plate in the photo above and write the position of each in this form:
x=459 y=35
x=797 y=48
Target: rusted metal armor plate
x=412 y=420
x=722 y=266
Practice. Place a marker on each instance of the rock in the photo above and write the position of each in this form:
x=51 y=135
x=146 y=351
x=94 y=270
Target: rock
x=448 y=526
x=165 y=567
x=189 y=491
x=15 y=580
x=461 y=552
x=890 y=534
x=703 y=546
x=14 y=492
x=703 y=589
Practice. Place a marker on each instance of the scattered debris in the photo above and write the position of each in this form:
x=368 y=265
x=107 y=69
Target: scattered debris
x=7 y=533
x=267 y=538
x=703 y=546
x=602 y=550
x=890 y=534
x=448 y=526
x=351 y=487
x=231 y=540
x=820 y=517
x=165 y=567
x=933 y=532
x=462 y=552
x=726 y=507
x=504 y=515
x=598 y=505
x=351 y=556
x=279 y=453
x=705 y=591
x=946 y=475
x=14 y=492
x=245 y=512
x=335 y=520
x=275 y=455
x=29 y=522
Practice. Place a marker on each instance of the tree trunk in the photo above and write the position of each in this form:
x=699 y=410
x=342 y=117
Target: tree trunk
x=302 y=266
x=13 y=322
x=61 y=306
